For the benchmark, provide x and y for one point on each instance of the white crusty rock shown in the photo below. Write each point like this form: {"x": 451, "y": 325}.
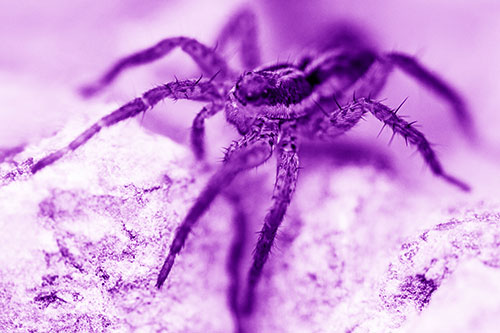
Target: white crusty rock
{"x": 83, "y": 240}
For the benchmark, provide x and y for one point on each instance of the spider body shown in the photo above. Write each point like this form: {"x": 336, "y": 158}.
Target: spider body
{"x": 295, "y": 90}
{"x": 273, "y": 107}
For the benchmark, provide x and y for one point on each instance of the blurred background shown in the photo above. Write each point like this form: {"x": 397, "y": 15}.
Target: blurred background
{"x": 51, "y": 48}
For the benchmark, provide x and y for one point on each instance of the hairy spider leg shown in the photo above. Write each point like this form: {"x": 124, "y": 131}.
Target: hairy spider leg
{"x": 329, "y": 126}
{"x": 286, "y": 178}
{"x": 411, "y": 135}
{"x": 210, "y": 62}
{"x": 243, "y": 28}
{"x": 440, "y": 87}
{"x": 327, "y": 119}
{"x": 198, "y": 128}
{"x": 250, "y": 151}
{"x": 188, "y": 89}
{"x": 371, "y": 83}
{"x": 333, "y": 89}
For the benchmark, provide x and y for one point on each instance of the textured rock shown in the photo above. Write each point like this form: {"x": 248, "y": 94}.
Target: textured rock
{"x": 83, "y": 240}
{"x": 366, "y": 266}
{"x": 358, "y": 252}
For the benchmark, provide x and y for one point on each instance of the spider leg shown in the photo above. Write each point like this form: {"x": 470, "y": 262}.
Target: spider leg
{"x": 372, "y": 82}
{"x": 286, "y": 178}
{"x": 411, "y": 135}
{"x": 252, "y": 150}
{"x": 433, "y": 82}
{"x": 188, "y": 89}
{"x": 198, "y": 129}
{"x": 243, "y": 27}
{"x": 210, "y": 62}
{"x": 329, "y": 120}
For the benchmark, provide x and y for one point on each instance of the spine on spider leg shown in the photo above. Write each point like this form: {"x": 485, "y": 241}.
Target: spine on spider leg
{"x": 128, "y": 110}
{"x": 196, "y": 90}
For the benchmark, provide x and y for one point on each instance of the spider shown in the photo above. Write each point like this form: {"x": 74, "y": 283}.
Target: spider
{"x": 273, "y": 108}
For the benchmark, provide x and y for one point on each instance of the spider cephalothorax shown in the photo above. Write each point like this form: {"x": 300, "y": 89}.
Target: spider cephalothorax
{"x": 269, "y": 92}
{"x": 273, "y": 107}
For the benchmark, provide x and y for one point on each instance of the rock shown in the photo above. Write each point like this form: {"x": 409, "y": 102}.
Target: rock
{"x": 84, "y": 238}
{"x": 83, "y": 241}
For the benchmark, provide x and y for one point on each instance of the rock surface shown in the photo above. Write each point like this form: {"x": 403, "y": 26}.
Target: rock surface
{"x": 358, "y": 252}
{"x": 84, "y": 238}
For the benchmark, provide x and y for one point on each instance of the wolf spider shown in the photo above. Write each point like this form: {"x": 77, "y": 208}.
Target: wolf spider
{"x": 273, "y": 107}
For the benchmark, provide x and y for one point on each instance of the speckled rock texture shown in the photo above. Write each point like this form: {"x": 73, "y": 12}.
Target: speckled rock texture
{"x": 361, "y": 249}
{"x": 82, "y": 240}
{"x": 366, "y": 258}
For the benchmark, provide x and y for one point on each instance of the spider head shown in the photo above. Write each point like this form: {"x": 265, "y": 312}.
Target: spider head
{"x": 248, "y": 98}
{"x": 254, "y": 88}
